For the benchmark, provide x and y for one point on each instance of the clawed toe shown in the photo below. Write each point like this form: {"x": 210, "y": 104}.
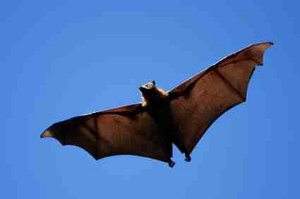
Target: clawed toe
{"x": 187, "y": 158}
{"x": 171, "y": 163}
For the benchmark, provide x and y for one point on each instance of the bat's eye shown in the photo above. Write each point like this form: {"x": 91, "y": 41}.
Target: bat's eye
{"x": 148, "y": 85}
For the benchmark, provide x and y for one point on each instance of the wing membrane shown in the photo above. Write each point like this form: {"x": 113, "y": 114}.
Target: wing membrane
{"x": 199, "y": 101}
{"x": 125, "y": 130}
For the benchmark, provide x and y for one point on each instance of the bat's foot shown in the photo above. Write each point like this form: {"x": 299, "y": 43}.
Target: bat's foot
{"x": 187, "y": 158}
{"x": 171, "y": 163}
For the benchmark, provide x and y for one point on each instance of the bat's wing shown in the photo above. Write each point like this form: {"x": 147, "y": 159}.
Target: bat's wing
{"x": 125, "y": 130}
{"x": 199, "y": 101}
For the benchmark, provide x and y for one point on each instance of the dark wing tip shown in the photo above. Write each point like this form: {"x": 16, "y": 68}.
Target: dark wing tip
{"x": 53, "y": 132}
{"x": 49, "y": 132}
{"x": 256, "y": 51}
{"x": 264, "y": 47}
{"x": 46, "y": 134}
{"x": 268, "y": 43}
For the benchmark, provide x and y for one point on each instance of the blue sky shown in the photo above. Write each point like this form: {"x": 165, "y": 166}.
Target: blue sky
{"x": 65, "y": 58}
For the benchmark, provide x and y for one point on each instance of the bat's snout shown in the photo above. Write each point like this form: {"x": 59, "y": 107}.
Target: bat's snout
{"x": 142, "y": 89}
{"x": 46, "y": 133}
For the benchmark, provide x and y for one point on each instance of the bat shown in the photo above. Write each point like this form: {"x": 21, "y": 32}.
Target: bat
{"x": 180, "y": 116}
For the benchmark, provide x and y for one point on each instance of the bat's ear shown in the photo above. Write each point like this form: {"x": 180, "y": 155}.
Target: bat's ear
{"x": 154, "y": 83}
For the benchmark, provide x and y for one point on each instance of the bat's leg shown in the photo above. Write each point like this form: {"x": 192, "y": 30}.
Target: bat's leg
{"x": 171, "y": 163}
{"x": 187, "y": 157}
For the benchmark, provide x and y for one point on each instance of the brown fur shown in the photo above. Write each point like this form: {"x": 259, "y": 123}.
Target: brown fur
{"x": 161, "y": 94}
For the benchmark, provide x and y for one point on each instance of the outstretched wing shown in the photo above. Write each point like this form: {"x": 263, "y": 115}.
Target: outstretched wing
{"x": 124, "y": 130}
{"x": 199, "y": 101}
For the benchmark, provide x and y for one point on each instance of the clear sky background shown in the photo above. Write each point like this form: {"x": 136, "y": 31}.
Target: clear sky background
{"x": 65, "y": 58}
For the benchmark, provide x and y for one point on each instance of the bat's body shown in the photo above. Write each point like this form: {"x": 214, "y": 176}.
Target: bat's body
{"x": 157, "y": 104}
{"x": 180, "y": 116}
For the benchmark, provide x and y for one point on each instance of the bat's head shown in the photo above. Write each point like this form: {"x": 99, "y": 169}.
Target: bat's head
{"x": 152, "y": 94}
{"x": 148, "y": 87}
{"x": 148, "y": 91}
